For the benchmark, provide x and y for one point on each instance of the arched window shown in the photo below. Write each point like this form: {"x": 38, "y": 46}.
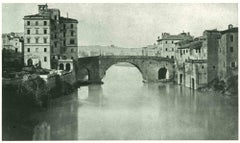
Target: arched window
{"x": 29, "y": 62}
{"x": 61, "y": 67}
{"x": 68, "y": 67}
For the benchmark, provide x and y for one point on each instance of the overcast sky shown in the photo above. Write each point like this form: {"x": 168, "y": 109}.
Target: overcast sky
{"x": 130, "y": 25}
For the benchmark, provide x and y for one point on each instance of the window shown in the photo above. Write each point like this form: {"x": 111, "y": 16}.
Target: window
{"x": 186, "y": 51}
{"x": 172, "y": 42}
{"x": 166, "y": 42}
{"x": 71, "y": 25}
{"x": 28, "y": 40}
{"x": 55, "y": 44}
{"x": 28, "y": 31}
{"x": 55, "y": 17}
{"x": 64, "y": 26}
{"x": 16, "y": 50}
{"x": 45, "y": 31}
{"x": 233, "y": 64}
{"x": 36, "y": 31}
{"x": 172, "y": 49}
{"x": 220, "y": 50}
{"x": 64, "y": 43}
{"x": 231, "y": 49}
{"x": 36, "y": 23}
{"x": 45, "y": 49}
{"x": 45, "y": 59}
{"x": 64, "y": 34}
{"x": 72, "y": 33}
{"x": 45, "y": 40}
{"x": 28, "y": 49}
{"x": 55, "y": 36}
{"x": 231, "y": 38}
{"x": 36, "y": 40}
{"x": 44, "y": 23}
{"x": 166, "y": 49}
{"x": 28, "y": 22}
{"x": 214, "y": 67}
{"x": 202, "y": 67}
{"x": 72, "y": 41}
{"x": 72, "y": 50}
{"x": 172, "y": 57}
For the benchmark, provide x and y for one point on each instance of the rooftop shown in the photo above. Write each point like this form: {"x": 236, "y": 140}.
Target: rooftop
{"x": 66, "y": 19}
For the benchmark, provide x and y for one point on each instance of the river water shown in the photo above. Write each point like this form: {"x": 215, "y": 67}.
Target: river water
{"x": 124, "y": 108}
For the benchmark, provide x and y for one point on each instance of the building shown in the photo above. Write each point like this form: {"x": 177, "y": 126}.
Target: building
{"x": 228, "y": 53}
{"x": 197, "y": 60}
{"x": 49, "y": 37}
{"x": 166, "y": 44}
{"x": 12, "y": 50}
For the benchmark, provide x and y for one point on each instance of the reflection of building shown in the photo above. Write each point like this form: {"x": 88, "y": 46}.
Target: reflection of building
{"x": 12, "y": 50}
{"x": 166, "y": 45}
{"x": 228, "y": 53}
{"x": 49, "y": 36}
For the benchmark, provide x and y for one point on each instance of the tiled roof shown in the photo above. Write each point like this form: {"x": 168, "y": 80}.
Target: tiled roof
{"x": 66, "y": 19}
{"x": 44, "y": 15}
{"x": 235, "y": 29}
{"x": 192, "y": 45}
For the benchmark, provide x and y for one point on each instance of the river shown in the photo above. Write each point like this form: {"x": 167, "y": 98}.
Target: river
{"x": 125, "y": 108}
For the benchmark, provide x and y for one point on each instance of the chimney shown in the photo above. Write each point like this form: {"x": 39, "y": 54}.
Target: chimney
{"x": 230, "y": 26}
{"x": 42, "y": 8}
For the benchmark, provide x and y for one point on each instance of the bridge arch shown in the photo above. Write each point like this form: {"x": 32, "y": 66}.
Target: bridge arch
{"x": 122, "y": 62}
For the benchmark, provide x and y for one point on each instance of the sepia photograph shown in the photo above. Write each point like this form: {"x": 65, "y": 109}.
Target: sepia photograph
{"x": 119, "y": 71}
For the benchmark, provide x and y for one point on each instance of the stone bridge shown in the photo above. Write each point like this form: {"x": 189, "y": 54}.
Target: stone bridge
{"x": 152, "y": 68}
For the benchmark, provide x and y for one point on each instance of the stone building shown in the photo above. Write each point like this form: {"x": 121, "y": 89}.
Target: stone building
{"x": 228, "y": 53}
{"x": 196, "y": 60}
{"x": 166, "y": 45}
{"x": 49, "y": 37}
{"x": 12, "y": 50}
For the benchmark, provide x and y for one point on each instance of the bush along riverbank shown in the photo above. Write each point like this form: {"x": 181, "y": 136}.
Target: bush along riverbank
{"x": 20, "y": 101}
{"x": 228, "y": 87}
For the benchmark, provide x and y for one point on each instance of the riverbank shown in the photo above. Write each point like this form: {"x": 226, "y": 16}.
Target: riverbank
{"x": 227, "y": 88}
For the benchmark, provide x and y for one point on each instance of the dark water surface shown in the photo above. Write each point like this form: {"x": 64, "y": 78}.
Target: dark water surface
{"x": 126, "y": 108}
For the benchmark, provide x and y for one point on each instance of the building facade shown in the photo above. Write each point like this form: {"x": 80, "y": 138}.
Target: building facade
{"x": 166, "y": 44}
{"x": 211, "y": 56}
{"x": 228, "y": 53}
{"x": 49, "y": 37}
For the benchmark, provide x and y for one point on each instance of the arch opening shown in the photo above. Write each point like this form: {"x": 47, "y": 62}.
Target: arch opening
{"x": 122, "y": 71}
{"x": 61, "y": 66}
{"x": 29, "y": 62}
{"x": 84, "y": 75}
{"x": 68, "y": 67}
{"x": 162, "y": 73}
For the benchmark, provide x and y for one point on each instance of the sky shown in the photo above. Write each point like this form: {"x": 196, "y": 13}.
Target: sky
{"x": 129, "y": 25}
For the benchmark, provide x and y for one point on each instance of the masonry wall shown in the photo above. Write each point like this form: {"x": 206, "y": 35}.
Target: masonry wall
{"x": 212, "y": 55}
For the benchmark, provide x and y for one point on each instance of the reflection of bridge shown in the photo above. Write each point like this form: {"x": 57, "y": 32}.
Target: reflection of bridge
{"x": 150, "y": 67}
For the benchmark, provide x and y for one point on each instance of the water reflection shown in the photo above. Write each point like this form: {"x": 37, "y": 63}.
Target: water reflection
{"x": 129, "y": 109}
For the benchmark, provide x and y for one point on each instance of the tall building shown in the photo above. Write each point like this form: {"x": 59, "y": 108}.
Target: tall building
{"x": 166, "y": 44}
{"x": 228, "y": 53}
{"x": 49, "y": 37}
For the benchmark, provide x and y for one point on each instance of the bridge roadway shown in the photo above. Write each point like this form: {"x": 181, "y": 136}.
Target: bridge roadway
{"x": 149, "y": 66}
